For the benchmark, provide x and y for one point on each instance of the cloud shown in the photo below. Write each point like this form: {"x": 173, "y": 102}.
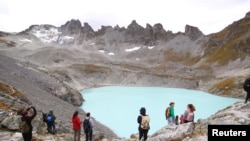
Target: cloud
{"x": 209, "y": 16}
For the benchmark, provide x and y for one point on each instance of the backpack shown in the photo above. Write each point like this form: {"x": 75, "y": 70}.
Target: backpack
{"x": 49, "y": 118}
{"x": 23, "y": 127}
{"x": 86, "y": 125}
{"x": 44, "y": 117}
{"x": 145, "y": 122}
{"x": 167, "y": 112}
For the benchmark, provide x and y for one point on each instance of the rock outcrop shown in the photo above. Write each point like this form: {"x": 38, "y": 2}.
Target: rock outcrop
{"x": 192, "y": 32}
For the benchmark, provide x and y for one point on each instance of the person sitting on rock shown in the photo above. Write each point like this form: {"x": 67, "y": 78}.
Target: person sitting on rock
{"x": 177, "y": 120}
{"x": 182, "y": 119}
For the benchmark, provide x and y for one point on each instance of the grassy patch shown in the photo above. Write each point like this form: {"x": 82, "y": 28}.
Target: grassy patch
{"x": 224, "y": 87}
{"x": 3, "y": 106}
{"x": 170, "y": 55}
{"x": 229, "y": 44}
{"x": 12, "y": 91}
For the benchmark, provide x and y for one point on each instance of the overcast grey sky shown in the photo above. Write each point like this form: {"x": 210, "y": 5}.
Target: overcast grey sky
{"x": 209, "y": 16}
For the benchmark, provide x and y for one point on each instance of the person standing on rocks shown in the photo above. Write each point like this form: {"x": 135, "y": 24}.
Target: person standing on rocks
{"x": 50, "y": 120}
{"x": 246, "y": 87}
{"x": 171, "y": 118}
{"x": 88, "y": 125}
{"x": 76, "y": 121}
{"x": 25, "y": 117}
{"x": 143, "y": 121}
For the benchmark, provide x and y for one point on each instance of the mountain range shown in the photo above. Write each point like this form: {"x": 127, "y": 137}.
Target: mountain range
{"x": 56, "y": 63}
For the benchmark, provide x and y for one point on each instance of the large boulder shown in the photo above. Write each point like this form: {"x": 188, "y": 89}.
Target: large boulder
{"x": 171, "y": 132}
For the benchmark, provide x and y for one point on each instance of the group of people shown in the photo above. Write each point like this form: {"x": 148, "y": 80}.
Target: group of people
{"x": 143, "y": 119}
{"x": 188, "y": 115}
{"x": 87, "y": 123}
{"x": 27, "y": 115}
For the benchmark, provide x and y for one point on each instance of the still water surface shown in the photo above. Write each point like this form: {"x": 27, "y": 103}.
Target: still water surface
{"x": 118, "y": 107}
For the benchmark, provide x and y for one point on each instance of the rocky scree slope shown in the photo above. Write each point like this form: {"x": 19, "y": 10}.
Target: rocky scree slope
{"x": 20, "y": 89}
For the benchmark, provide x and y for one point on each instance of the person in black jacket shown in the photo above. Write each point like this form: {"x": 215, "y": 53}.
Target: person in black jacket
{"x": 142, "y": 132}
{"x": 28, "y": 118}
{"x": 246, "y": 87}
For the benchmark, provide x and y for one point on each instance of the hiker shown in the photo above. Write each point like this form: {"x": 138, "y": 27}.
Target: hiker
{"x": 176, "y": 120}
{"x": 76, "y": 121}
{"x": 143, "y": 121}
{"x": 26, "y": 119}
{"x": 171, "y": 116}
{"x": 88, "y": 125}
{"x": 50, "y": 121}
{"x": 189, "y": 113}
{"x": 246, "y": 87}
{"x": 181, "y": 119}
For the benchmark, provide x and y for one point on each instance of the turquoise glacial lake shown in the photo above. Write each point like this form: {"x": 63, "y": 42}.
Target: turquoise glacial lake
{"x": 118, "y": 107}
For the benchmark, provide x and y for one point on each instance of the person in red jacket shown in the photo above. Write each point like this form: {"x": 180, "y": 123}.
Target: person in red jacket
{"x": 76, "y": 121}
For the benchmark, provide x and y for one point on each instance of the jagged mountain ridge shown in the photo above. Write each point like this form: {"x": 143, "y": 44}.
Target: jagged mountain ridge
{"x": 134, "y": 33}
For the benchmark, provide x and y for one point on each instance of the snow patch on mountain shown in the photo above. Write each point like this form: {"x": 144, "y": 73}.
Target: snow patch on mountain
{"x": 25, "y": 40}
{"x": 65, "y": 39}
{"x": 50, "y": 34}
{"x": 151, "y": 47}
{"x": 111, "y": 53}
{"x": 132, "y": 49}
{"x": 46, "y": 35}
{"x": 102, "y": 51}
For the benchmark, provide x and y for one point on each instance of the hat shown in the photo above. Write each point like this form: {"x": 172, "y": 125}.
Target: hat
{"x": 142, "y": 111}
{"x": 171, "y": 103}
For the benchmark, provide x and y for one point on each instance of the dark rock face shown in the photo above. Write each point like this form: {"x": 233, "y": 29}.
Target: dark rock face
{"x": 103, "y": 30}
{"x": 80, "y": 33}
{"x": 2, "y": 34}
{"x": 247, "y": 15}
{"x": 72, "y": 27}
{"x": 192, "y": 32}
{"x": 134, "y": 33}
{"x": 149, "y": 35}
{"x": 159, "y": 32}
{"x": 87, "y": 32}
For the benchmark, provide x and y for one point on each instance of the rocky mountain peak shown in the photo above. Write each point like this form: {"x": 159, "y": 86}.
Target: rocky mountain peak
{"x": 103, "y": 30}
{"x": 134, "y": 28}
{"x": 148, "y": 26}
{"x": 117, "y": 27}
{"x": 247, "y": 15}
{"x": 158, "y": 31}
{"x": 72, "y": 27}
{"x": 192, "y": 32}
{"x": 87, "y": 28}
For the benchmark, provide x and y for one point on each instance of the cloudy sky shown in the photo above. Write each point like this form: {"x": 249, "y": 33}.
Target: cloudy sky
{"x": 209, "y": 16}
